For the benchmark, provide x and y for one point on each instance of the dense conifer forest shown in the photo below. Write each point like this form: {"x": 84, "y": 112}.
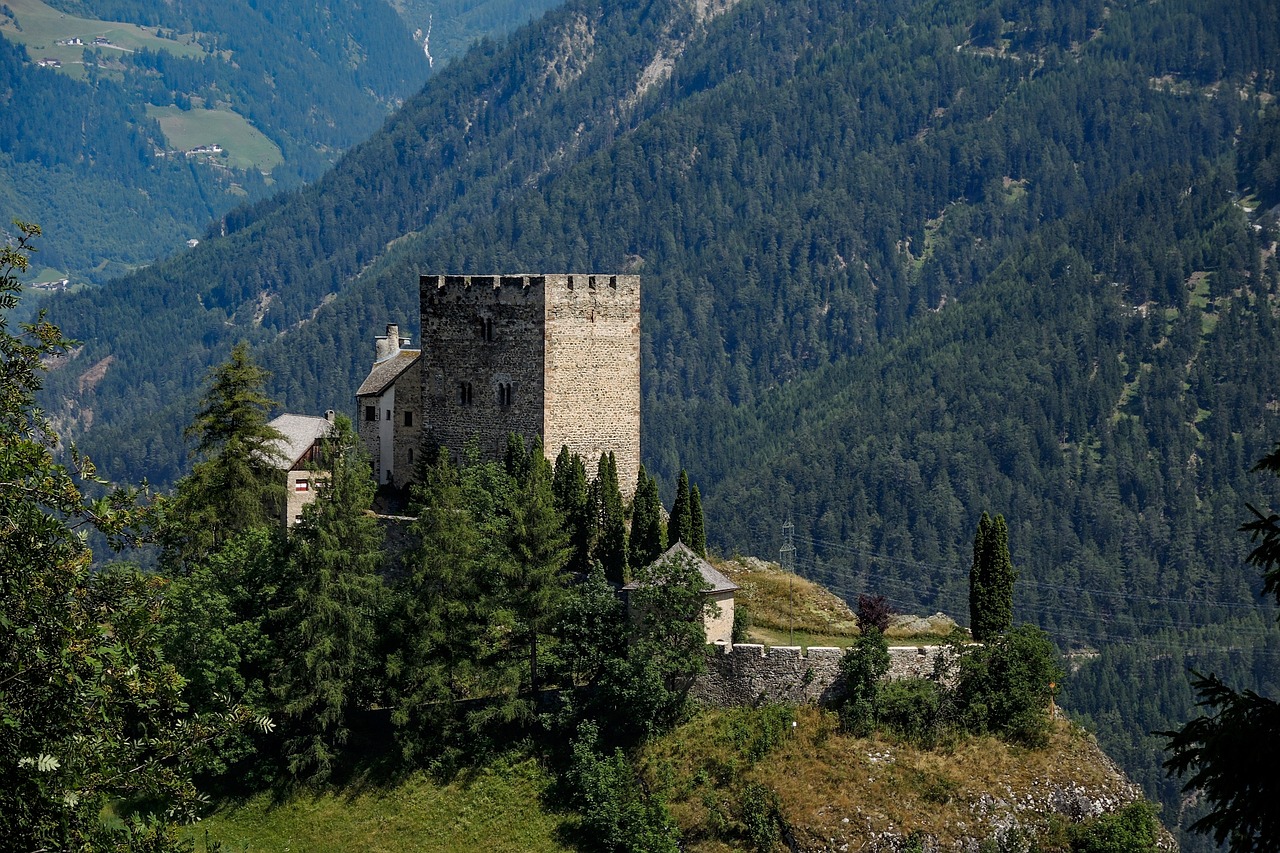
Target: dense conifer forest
{"x": 903, "y": 263}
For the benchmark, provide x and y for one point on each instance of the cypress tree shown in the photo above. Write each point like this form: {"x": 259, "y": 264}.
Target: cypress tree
{"x": 611, "y": 543}
{"x": 991, "y": 580}
{"x": 573, "y": 500}
{"x": 697, "y": 530}
{"x": 646, "y": 523}
{"x": 444, "y": 617}
{"x": 978, "y": 616}
{"x": 680, "y": 528}
{"x": 1001, "y": 578}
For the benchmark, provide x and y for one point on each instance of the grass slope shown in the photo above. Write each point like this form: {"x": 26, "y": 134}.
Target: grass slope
{"x": 495, "y": 808}
{"x": 40, "y": 26}
{"x": 832, "y": 790}
{"x": 245, "y": 145}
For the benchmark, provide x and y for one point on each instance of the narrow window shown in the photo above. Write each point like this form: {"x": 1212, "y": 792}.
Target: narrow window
{"x": 388, "y": 414}
{"x": 464, "y": 393}
{"x": 488, "y": 328}
{"x": 408, "y": 419}
{"x": 370, "y": 413}
{"x": 468, "y": 393}
{"x": 410, "y": 455}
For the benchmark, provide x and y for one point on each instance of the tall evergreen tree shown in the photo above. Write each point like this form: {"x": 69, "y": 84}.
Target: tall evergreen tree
{"x": 697, "y": 529}
{"x": 680, "y": 527}
{"x": 991, "y": 580}
{"x": 443, "y": 615}
{"x": 647, "y": 541}
{"x": 533, "y": 583}
{"x": 236, "y": 486}
{"x": 573, "y": 500}
{"x": 611, "y": 542}
{"x": 978, "y": 595}
{"x": 332, "y": 594}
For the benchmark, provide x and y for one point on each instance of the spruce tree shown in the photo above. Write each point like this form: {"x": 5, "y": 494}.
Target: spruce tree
{"x": 533, "y": 582}
{"x": 697, "y": 530}
{"x": 444, "y": 615}
{"x": 680, "y": 528}
{"x": 646, "y": 523}
{"x": 332, "y": 592}
{"x": 611, "y": 542}
{"x": 237, "y": 485}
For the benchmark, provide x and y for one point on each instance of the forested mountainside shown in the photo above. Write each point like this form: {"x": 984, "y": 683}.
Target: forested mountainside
{"x": 903, "y": 263}
{"x": 446, "y": 28}
{"x": 114, "y": 94}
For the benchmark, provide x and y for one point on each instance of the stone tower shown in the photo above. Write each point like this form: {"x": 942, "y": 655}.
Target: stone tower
{"x": 550, "y": 355}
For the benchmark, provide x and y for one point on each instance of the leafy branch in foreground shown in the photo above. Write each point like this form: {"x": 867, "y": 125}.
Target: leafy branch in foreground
{"x": 96, "y": 746}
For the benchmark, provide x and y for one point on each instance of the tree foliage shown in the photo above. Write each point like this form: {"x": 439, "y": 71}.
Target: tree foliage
{"x": 1228, "y": 753}
{"x": 331, "y": 600}
{"x": 91, "y": 712}
{"x": 991, "y": 580}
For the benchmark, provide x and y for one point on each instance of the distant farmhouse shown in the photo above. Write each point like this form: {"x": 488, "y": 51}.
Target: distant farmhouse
{"x": 550, "y": 355}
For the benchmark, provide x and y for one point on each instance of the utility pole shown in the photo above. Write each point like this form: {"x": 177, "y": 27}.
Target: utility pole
{"x": 787, "y": 559}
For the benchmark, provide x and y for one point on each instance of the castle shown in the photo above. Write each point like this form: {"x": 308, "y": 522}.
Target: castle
{"x": 550, "y": 355}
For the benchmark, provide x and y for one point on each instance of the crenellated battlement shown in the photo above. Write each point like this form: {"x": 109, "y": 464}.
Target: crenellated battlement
{"x": 551, "y": 355}
{"x": 752, "y": 674}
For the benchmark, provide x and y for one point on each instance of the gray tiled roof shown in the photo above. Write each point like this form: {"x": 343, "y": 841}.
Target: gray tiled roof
{"x": 717, "y": 581}
{"x": 300, "y": 432}
{"x": 386, "y": 372}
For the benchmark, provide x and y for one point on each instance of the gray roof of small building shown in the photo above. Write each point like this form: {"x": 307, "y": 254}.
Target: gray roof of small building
{"x": 383, "y": 373}
{"x": 717, "y": 581}
{"x": 300, "y": 432}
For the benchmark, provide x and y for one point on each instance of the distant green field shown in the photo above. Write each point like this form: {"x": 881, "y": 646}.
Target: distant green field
{"x": 244, "y": 144}
{"x": 43, "y": 27}
{"x": 495, "y": 809}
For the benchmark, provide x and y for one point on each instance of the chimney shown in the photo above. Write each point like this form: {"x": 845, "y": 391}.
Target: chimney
{"x": 329, "y": 415}
{"x": 389, "y": 346}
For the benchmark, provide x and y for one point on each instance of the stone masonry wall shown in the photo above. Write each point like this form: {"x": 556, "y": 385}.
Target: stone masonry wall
{"x": 592, "y": 401}
{"x": 550, "y": 355}
{"x": 751, "y": 674}
{"x": 408, "y": 438}
{"x": 485, "y": 333}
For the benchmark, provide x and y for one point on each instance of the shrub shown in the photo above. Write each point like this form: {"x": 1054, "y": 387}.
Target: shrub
{"x": 1004, "y": 687}
{"x": 862, "y": 667}
{"x": 1133, "y": 829}
{"x": 618, "y": 816}
{"x": 873, "y": 612}
{"x": 914, "y": 709}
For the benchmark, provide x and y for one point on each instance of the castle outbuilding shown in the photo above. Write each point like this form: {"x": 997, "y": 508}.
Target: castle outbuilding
{"x": 550, "y": 355}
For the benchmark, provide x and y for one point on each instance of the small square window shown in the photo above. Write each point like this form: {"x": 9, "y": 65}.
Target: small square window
{"x": 408, "y": 419}
{"x": 370, "y": 413}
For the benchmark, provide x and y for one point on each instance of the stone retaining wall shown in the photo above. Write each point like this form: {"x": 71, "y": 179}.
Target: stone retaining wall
{"x": 751, "y": 674}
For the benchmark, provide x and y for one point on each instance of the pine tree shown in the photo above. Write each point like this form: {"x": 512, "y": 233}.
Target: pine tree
{"x": 647, "y": 541}
{"x": 611, "y": 541}
{"x": 697, "y": 530}
{"x": 680, "y": 527}
{"x": 331, "y": 596}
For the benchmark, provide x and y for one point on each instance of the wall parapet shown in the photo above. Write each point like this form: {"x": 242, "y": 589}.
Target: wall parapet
{"x": 752, "y": 674}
